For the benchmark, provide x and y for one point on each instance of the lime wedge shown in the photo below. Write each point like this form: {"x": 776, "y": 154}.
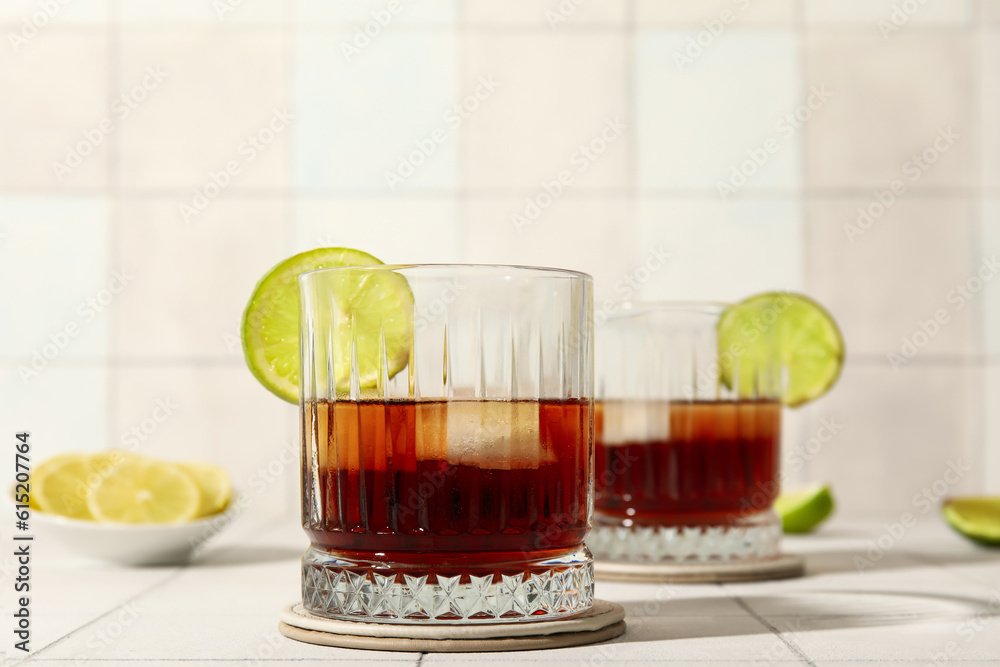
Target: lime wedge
{"x": 375, "y": 303}
{"x": 976, "y": 518}
{"x": 804, "y": 334}
{"x": 143, "y": 490}
{"x": 803, "y": 509}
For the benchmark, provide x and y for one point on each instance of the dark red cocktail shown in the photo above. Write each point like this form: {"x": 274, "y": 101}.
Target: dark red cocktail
{"x": 390, "y": 484}
{"x": 682, "y": 463}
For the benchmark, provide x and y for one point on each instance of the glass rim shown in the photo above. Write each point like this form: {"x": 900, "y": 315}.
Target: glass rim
{"x": 552, "y": 272}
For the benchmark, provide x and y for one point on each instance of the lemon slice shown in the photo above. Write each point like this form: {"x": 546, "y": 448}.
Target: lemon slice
{"x": 213, "y": 484}
{"x": 804, "y": 509}
{"x": 371, "y": 304}
{"x": 145, "y": 491}
{"x": 976, "y": 518}
{"x": 58, "y": 486}
{"x": 802, "y": 334}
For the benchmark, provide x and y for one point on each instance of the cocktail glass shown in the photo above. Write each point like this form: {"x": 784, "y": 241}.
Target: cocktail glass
{"x": 688, "y": 439}
{"x": 448, "y": 450}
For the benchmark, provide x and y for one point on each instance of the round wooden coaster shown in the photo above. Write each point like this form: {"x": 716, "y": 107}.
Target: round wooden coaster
{"x": 784, "y": 566}
{"x": 605, "y": 620}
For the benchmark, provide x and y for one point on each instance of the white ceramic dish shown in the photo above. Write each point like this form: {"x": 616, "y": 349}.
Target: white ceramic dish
{"x": 149, "y": 544}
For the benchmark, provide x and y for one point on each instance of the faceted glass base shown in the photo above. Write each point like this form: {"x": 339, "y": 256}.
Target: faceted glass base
{"x": 747, "y": 539}
{"x": 354, "y": 590}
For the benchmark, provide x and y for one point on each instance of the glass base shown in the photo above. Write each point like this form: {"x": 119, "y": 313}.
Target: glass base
{"x": 747, "y": 539}
{"x": 355, "y": 590}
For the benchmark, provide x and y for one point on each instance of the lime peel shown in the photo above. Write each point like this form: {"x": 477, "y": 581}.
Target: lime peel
{"x": 976, "y": 517}
{"x": 802, "y": 510}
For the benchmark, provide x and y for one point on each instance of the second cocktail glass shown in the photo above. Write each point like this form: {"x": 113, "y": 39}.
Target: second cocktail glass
{"x": 447, "y": 443}
{"x": 688, "y": 439}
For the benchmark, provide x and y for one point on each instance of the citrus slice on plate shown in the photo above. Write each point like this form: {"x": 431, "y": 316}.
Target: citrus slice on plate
{"x": 213, "y": 484}
{"x": 798, "y": 331}
{"x": 977, "y": 518}
{"x": 803, "y": 509}
{"x": 145, "y": 491}
{"x": 374, "y": 315}
{"x": 58, "y": 486}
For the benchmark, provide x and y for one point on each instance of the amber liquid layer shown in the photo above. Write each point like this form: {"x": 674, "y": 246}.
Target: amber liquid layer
{"x": 459, "y": 481}
{"x": 675, "y": 463}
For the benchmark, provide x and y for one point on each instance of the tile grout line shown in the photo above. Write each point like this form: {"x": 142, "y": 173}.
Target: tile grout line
{"x": 176, "y": 573}
{"x": 337, "y": 27}
{"x": 112, "y": 390}
{"x": 685, "y": 193}
{"x": 792, "y": 646}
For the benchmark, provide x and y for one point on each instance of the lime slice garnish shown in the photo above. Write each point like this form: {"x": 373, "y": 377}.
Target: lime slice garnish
{"x": 800, "y": 331}
{"x": 976, "y": 518}
{"x": 143, "y": 490}
{"x": 802, "y": 510}
{"x": 213, "y": 483}
{"x": 374, "y": 303}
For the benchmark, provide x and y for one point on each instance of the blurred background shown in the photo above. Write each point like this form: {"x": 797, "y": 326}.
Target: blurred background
{"x": 159, "y": 157}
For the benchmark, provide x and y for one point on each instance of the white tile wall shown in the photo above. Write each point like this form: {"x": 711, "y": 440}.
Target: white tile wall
{"x": 192, "y": 279}
{"x": 358, "y": 102}
{"x": 697, "y": 12}
{"x": 45, "y": 241}
{"x": 991, "y": 458}
{"x": 702, "y": 114}
{"x": 422, "y": 13}
{"x": 192, "y": 123}
{"x": 397, "y": 231}
{"x": 990, "y": 247}
{"x": 32, "y": 11}
{"x": 989, "y": 64}
{"x": 589, "y": 234}
{"x": 990, "y": 239}
{"x": 989, "y": 11}
{"x": 553, "y": 15}
{"x": 359, "y": 116}
{"x": 194, "y": 11}
{"x": 560, "y": 107}
{"x": 64, "y": 408}
{"x": 57, "y": 111}
{"x": 851, "y": 142}
{"x": 934, "y": 12}
{"x": 882, "y": 281}
{"x": 723, "y": 250}
{"x": 922, "y": 419}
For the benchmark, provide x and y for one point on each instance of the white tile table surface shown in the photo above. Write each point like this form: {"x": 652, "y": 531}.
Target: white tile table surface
{"x": 870, "y": 597}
